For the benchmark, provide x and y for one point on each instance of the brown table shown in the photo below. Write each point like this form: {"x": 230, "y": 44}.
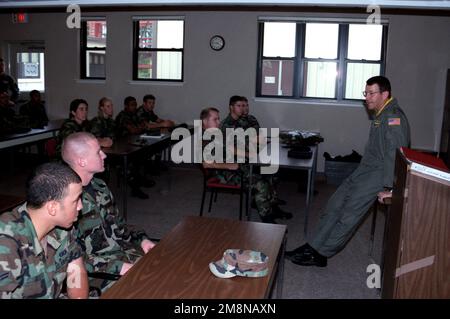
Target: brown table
{"x": 178, "y": 266}
{"x": 8, "y": 202}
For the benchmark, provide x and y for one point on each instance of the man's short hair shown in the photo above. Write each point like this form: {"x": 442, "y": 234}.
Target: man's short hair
{"x": 128, "y": 100}
{"x": 49, "y": 182}
{"x": 33, "y": 92}
{"x": 383, "y": 83}
{"x": 148, "y": 97}
{"x": 75, "y": 142}
{"x": 234, "y": 99}
{"x": 244, "y": 99}
{"x": 204, "y": 114}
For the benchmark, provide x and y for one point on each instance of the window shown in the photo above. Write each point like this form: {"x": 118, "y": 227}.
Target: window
{"x": 30, "y": 71}
{"x": 158, "y": 49}
{"x": 322, "y": 60}
{"x": 93, "y": 49}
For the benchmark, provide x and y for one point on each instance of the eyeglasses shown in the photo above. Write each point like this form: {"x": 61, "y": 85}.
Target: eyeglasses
{"x": 364, "y": 93}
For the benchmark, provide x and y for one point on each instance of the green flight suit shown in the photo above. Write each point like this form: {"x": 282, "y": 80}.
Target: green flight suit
{"x": 25, "y": 270}
{"x": 350, "y": 203}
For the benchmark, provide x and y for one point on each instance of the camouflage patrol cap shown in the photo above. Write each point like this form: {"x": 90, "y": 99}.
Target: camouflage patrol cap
{"x": 239, "y": 262}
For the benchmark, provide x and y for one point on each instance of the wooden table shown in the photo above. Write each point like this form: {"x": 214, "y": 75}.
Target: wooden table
{"x": 178, "y": 266}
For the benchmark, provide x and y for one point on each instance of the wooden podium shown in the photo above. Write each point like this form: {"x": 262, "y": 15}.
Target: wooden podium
{"x": 417, "y": 245}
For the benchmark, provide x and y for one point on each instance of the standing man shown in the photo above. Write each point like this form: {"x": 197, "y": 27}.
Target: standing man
{"x": 7, "y": 83}
{"x": 38, "y": 247}
{"x": 111, "y": 246}
{"x": 350, "y": 203}
{"x": 147, "y": 115}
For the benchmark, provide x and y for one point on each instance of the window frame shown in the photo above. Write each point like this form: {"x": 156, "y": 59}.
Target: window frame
{"x": 84, "y": 48}
{"x": 137, "y": 49}
{"x": 299, "y": 83}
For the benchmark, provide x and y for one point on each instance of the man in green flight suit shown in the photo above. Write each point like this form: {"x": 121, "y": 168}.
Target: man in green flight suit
{"x": 111, "y": 246}
{"x": 38, "y": 246}
{"x": 350, "y": 203}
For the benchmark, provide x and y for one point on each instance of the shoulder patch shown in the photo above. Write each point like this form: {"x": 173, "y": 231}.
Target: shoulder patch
{"x": 394, "y": 121}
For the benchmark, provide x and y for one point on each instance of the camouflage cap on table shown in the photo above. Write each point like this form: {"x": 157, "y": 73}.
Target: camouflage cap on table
{"x": 239, "y": 262}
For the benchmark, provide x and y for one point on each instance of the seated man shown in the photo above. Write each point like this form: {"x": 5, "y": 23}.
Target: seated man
{"x": 265, "y": 196}
{"x": 349, "y": 205}
{"x": 34, "y": 110}
{"x": 38, "y": 246}
{"x": 147, "y": 115}
{"x": 103, "y": 126}
{"x": 128, "y": 123}
{"x": 247, "y": 120}
{"x": 111, "y": 246}
{"x": 7, "y": 114}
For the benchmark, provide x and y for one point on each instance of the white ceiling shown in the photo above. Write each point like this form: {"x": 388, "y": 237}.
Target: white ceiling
{"x": 411, "y": 4}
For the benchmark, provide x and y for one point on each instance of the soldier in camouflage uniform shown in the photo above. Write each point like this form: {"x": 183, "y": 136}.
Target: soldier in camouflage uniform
{"x": 247, "y": 120}
{"x": 103, "y": 126}
{"x": 6, "y": 114}
{"x": 350, "y": 204}
{"x": 38, "y": 246}
{"x": 77, "y": 122}
{"x": 34, "y": 110}
{"x": 147, "y": 115}
{"x": 127, "y": 121}
{"x": 110, "y": 245}
{"x": 7, "y": 83}
{"x": 231, "y": 173}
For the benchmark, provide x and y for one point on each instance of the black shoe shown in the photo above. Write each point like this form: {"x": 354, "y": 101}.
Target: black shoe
{"x": 136, "y": 192}
{"x": 268, "y": 219}
{"x": 310, "y": 259}
{"x": 277, "y": 212}
{"x": 304, "y": 249}
{"x": 280, "y": 202}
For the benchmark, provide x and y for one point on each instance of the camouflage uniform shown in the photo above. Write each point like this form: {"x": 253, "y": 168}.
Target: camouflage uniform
{"x": 107, "y": 241}
{"x": 36, "y": 114}
{"x": 262, "y": 187}
{"x": 103, "y": 127}
{"x": 125, "y": 119}
{"x": 350, "y": 203}
{"x": 7, "y": 116}
{"x": 68, "y": 127}
{"x": 25, "y": 270}
{"x": 8, "y": 84}
{"x": 146, "y": 116}
{"x": 248, "y": 121}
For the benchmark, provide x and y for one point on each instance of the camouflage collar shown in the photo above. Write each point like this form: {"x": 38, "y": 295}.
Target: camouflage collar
{"x": 52, "y": 236}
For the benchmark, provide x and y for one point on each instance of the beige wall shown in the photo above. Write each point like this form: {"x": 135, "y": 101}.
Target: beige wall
{"x": 417, "y": 61}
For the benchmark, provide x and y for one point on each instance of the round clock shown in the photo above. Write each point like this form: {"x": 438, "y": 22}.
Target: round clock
{"x": 217, "y": 42}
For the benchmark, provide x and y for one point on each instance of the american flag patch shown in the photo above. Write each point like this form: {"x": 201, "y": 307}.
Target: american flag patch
{"x": 394, "y": 121}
